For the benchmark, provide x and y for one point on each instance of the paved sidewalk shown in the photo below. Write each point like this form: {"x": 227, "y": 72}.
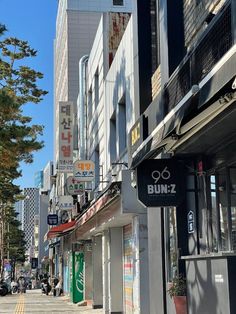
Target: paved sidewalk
{"x": 33, "y": 302}
{"x": 82, "y": 308}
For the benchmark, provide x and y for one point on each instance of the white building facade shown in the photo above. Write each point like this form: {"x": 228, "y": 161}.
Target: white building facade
{"x": 119, "y": 228}
{"x": 116, "y": 265}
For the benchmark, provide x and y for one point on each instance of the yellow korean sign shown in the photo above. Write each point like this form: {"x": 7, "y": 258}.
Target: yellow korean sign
{"x": 84, "y": 170}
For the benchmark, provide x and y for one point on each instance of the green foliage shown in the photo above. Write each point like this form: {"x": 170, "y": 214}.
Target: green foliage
{"x": 14, "y": 237}
{"x": 178, "y": 286}
{"x": 18, "y": 136}
{"x": 18, "y": 86}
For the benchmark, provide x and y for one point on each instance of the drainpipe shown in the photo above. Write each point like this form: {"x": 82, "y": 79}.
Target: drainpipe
{"x": 81, "y": 106}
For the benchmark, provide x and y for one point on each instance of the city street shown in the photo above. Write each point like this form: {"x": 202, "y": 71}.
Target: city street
{"x": 33, "y": 302}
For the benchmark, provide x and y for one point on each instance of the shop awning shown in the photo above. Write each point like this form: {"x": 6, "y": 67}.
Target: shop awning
{"x": 61, "y": 230}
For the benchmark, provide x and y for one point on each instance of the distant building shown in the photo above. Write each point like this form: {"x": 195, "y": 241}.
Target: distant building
{"x": 40, "y": 226}
{"x": 47, "y": 174}
{"x": 36, "y": 236}
{"x": 38, "y": 179}
{"x": 30, "y": 209}
{"x": 19, "y": 211}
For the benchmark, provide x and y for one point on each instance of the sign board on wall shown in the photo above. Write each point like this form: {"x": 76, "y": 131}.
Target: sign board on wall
{"x": 138, "y": 133}
{"x": 190, "y": 222}
{"x": 74, "y": 186}
{"x": 160, "y": 182}
{"x": 52, "y": 219}
{"x": 84, "y": 170}
{"x": 65, "y": 161}
{"x": 65, "y": 202}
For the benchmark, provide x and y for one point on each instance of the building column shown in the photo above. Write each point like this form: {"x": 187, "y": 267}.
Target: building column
{"x": 115, "y": 270}
{"x": 88, "y": 278}
{"x": 97, "y": 272}
{"x": 105, "y": 263}
{"x": 156, "y": 261}
{"x": 141, "y": 267}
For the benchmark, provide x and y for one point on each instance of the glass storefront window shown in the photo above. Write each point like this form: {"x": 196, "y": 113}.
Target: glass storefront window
{"x": 232, "y": 174}
{"x": 172, "y": 250}
{"x": 213, "y": 214}
{"x": 223, "y": 210}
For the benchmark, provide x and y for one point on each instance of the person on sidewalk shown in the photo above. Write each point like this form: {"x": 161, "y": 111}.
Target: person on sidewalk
{"x": 54, "y": 284}
{"x": 58, "y": 288}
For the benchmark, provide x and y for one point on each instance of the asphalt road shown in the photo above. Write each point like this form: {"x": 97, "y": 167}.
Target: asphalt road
{"x": 33, "y": 302}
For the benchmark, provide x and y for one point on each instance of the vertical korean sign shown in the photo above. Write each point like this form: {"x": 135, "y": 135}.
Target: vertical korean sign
{"x": 65, "y": 157}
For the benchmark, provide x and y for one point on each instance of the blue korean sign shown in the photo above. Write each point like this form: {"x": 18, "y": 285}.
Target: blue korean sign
{"x": 52, "y": 219}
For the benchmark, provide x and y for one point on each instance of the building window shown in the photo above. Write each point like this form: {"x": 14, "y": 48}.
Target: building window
{"x": 213, "y": 213}
{"x": 96, "y": 89}
{"x": 90, "y": 104}
{"x": 220, "y": 218}
{"x": 232, "y": 172}
{"x": 97, "y": 167}
{"x": 172, "y": 245}
{"x": 223, "y": 210}
{"x": 155, "y": 35}
{"x": 112, "y": 140}
{"x": 118, "y": 2}
{"x": 122, "y": 127}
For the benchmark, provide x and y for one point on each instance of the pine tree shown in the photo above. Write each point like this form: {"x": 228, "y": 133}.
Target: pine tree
{"x": 18, "y": 136}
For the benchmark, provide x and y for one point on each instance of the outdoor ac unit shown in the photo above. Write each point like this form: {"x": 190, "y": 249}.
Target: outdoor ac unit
{"x": 76, "y": 247}
{"x": 90, "y": 195}
{"x": 64, "y": 216}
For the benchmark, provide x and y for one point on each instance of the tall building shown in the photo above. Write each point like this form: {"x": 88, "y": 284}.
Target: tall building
{"x": 75, "y": 30}
{"x": 30, "y": 209}
{"x": 76, "y": 26}
{"x": 47, "y": 176}
{"x": 41, "y": 227}
{"x": 19, "y": 211}
{"x": 38, "y": 179}
{"x": 104, "y": 276}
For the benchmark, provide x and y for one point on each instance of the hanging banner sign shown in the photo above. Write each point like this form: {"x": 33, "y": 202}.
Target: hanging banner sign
{"x": 160, "y": 182}
{"x": 74, "y": 186}
{"x": 65, "y": 160}
{"x": 84, "y": 170}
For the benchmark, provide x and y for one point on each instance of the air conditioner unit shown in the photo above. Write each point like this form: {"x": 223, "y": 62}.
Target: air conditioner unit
{"x": 90, "y": 195}
{"x": 64, "y": 216}
{"x": 76, "y": 247}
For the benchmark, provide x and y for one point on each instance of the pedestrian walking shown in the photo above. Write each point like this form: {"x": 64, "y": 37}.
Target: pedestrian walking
{"x": 58, "y": 288}
{"x": 54, "y": 284}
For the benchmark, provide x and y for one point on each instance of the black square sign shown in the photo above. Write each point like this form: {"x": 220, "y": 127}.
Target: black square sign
{"x": 160, "y": 182}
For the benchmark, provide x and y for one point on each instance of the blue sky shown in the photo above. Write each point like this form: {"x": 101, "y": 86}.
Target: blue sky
{"x": 35, "y": 21}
